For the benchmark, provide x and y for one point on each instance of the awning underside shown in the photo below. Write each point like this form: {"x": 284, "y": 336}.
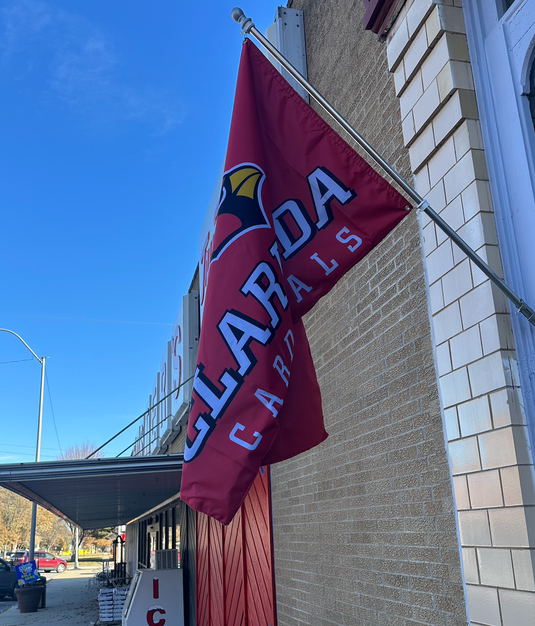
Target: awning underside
{"x": 97, "y": 493}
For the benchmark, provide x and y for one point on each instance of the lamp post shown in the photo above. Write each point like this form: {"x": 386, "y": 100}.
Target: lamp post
{"x": 38, "y": 445}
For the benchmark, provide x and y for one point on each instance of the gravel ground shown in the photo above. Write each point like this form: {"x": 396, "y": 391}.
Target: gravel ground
{"x": 71, "y": 598}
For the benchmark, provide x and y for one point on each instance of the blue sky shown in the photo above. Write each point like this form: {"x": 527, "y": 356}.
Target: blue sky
{"x": 113, "y": 123}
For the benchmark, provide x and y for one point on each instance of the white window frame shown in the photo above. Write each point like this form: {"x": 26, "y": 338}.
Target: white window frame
{"x": 501, "y": 53}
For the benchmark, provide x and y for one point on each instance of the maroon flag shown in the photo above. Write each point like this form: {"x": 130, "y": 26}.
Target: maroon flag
{"x": 298, "y": 208}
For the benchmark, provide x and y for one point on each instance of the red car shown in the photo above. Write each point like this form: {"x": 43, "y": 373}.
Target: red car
{"x": 43, "y": 561}
{"x": 49, "y": 562}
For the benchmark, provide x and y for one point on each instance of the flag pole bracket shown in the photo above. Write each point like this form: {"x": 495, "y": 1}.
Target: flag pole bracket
{"x": 526, "y": 311}
{"x": 422, "y": 206}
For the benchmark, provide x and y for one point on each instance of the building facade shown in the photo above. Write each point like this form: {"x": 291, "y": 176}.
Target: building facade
{"x": 420, "y": 506}
{"x": 429, "y": 374}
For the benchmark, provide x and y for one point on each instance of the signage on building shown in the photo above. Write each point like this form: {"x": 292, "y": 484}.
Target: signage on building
{"x": 155, "y": 414}
{"x": 171, "y": 391}
{"x": 165, "y": 388}
{"x": 146, "y": 429}
{"x": 184, "y": 339}
{"x": 177, "y": 359}
{"x": 205, "y": 239}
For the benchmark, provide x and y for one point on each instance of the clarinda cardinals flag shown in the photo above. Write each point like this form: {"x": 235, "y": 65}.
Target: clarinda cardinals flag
{"x": 298, "y": 208}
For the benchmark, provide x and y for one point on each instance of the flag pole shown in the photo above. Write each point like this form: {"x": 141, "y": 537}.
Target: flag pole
{"x": 248, "y": 28}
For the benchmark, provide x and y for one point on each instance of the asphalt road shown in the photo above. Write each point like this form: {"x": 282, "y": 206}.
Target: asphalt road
{"x": 71, "y": 598}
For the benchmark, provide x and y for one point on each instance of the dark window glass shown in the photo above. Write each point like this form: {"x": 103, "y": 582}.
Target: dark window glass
{"x": 531, "y": 95}
{"x": 507, "y": 4}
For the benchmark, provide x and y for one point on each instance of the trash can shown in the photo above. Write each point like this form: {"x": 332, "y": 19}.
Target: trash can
{"x": 28, "y": 597}
{"x": 42, "y": 581}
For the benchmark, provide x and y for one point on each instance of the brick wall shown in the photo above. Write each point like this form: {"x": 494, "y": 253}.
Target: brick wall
{"x": 349, "y": 67}
{"x": 364, "y": 525}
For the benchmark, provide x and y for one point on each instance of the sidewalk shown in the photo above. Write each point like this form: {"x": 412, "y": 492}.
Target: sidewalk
{"x": 69, "y": 600}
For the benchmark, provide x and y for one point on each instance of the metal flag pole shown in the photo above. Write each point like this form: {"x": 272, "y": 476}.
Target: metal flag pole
{"x": 248, "y": 28}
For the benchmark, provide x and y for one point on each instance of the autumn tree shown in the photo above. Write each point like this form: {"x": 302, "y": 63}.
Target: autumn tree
{"x": 100, "y": 539}
{"x": 51, "y": 531}
{"x": 15, "y": 516}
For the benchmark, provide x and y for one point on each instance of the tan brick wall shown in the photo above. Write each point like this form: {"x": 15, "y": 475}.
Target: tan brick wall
{"x": 364, "y": 525}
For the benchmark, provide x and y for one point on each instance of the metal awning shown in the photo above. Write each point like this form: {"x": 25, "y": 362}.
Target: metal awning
{"x": 96, "y": 493}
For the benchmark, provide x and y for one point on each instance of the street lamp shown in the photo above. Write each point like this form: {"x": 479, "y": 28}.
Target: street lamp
{"x": 38, "y": 445}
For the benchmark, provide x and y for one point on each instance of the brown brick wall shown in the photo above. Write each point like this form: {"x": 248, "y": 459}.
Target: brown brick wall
{"x": 364, "y": 525}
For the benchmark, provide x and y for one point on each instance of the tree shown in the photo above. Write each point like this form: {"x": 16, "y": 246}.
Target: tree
{"x": 15, "y": 515}
{"x": 51, "y": 531}
{"x": 81, "y": 451}
{"x": 102, "y": 544}
{"x": 100, "y": 538}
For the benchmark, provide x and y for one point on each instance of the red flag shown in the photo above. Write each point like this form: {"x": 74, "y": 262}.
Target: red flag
{"x": 298, "y": 208}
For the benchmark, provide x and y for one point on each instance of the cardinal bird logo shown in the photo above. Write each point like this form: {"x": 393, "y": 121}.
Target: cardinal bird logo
{"x": 240, "y": 207}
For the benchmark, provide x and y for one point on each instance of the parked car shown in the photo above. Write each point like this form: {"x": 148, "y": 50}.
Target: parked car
{"x": 8, "y": 579}
{"x": 21, "y": 556}
{"x": 48, "y": 562}
{"x": 43, "y": 560}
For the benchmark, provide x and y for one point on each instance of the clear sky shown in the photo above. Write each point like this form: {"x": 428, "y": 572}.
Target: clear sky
{"x": 114, "y": 116}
